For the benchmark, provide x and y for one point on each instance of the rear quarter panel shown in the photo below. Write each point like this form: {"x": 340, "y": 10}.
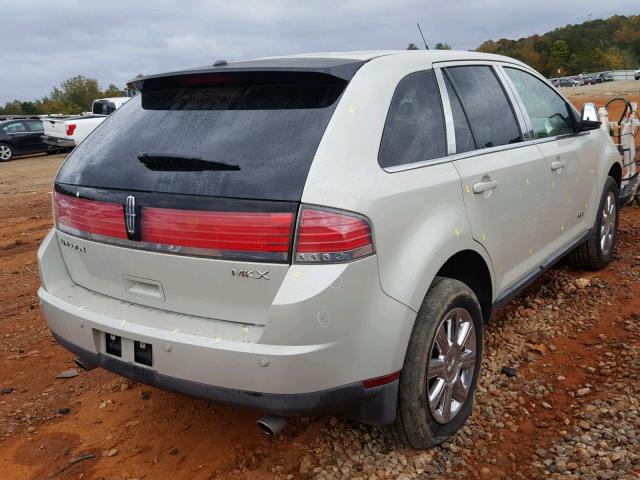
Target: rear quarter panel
{"x": 418, "y": 216}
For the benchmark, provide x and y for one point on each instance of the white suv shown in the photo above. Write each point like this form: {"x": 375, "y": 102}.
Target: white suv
{"x": 323, "y": 233}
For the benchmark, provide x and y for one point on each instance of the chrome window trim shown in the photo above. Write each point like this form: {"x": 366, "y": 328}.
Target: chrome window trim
{"x": 448, "y": 112}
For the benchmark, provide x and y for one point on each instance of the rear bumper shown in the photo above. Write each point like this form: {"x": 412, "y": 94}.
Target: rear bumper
{"x": 293, "y": 365}
{"x": 58, "y": 142}
{"x": 375, "y": 406}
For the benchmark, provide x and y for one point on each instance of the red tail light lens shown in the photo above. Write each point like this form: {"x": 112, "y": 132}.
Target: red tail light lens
{"x": 79, "y": 216}
{"x": 327, "y": 236}
{"x": 71, "y": 127}
{"x": 261, "y": 234}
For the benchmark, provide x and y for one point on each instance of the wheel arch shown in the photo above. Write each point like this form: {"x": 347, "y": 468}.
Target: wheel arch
{"x": 616, "y": 173}
{"x": 470, "y": 268}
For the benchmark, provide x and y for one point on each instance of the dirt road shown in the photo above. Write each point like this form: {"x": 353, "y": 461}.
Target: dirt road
{"x": 572, "y": 410}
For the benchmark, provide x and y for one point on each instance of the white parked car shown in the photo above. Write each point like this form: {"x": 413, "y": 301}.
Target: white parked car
{"x": 67, "y": 132}
{"x": 636, "y": 75}
{"x": 323, "y": 233}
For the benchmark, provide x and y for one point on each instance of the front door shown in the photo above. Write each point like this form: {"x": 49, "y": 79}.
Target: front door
{"x": 569, "y": 166}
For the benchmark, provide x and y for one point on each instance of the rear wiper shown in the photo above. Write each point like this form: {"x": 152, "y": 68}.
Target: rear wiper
{"x": 165, "y": 162}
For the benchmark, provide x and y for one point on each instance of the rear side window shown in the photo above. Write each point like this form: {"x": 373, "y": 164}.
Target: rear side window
{"x": 414, "y": 130}
{"x": 243, "y": 135}
{"x": 103, "y": 107}
{"x": 35, "y": 126}
{"x": 486, "y": 105}
{"x": 549, "y": 113}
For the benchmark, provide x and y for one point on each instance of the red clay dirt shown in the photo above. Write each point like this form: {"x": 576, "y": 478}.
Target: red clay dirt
{"x": 128, "y": 430}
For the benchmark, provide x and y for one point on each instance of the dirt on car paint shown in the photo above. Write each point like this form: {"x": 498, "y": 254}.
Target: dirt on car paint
{"x": 98, "y": 425}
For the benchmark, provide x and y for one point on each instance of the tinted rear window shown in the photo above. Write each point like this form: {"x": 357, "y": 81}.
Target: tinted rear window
{"x": 268, "y": 124}
{"x": 414, "y": 129}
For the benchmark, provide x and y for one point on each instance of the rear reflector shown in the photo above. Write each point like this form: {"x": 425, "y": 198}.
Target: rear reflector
{"x": 327, "y": 236}
{"x": 77, "y": 215}
{"x": 260, "y": 233}
{"x": 71, "y": 127}
{"x": 376, "y": 382}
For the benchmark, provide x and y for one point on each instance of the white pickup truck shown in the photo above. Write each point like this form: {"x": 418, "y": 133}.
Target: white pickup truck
{"x": 69, "y": 131}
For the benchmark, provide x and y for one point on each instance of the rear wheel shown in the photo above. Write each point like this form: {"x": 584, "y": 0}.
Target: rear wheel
{"x": 597, "y": 251}
{"x": 6, "y": 152}
{"x": 441, "y": 367}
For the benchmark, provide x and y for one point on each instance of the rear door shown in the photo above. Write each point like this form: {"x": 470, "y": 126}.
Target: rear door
{"x": 502, "y": 172}
{"x": 18, "y": 135}
{"x": 570, "y": 167}
{"x": 185, "y": 198}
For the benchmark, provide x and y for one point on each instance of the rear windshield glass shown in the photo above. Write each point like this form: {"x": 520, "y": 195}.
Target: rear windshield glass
{"x": 244, "y": 135}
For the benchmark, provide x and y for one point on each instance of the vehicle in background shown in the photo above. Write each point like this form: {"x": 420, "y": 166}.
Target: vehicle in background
{"x": 565, "y": 82}
{"x": 21, "y": 136}
{"x": 604, "y": 77}
{"x": 67, "y": 132}
{"x": 554, "y": 81}
{"x": 588, "y": 80}
{"x": 636, "y": 75}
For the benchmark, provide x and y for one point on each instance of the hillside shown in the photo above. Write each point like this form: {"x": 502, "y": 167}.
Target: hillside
{"x": 591, "y": 46}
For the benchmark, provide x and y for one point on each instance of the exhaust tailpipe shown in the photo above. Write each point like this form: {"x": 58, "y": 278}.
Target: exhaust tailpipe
{"x": 84, "y": 365}
{"x": 272, "y": 425}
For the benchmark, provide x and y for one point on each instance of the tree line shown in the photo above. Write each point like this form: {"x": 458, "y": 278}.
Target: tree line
{"x": 73, "y": 96}
{"x": 592, "y": 46}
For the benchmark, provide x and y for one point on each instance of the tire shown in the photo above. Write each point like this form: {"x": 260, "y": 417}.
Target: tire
{"x": 419, "y": 422}
{"x": 6, "y": 152}
{"x": 596, "y": 253}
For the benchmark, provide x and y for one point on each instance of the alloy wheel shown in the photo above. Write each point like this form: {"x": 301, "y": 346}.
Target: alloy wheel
{"x": 5, "y": 153}
{"x": 608, "y": 223}
{"x": 452, "y": 363}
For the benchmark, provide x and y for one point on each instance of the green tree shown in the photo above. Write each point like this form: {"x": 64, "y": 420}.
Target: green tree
{"x": 77, "y": 93}
{"x": 412, "y": 46}
{"x": 559, "y": 55}
{"x": 443, "y": 46}
{"x": 114, "y": 91}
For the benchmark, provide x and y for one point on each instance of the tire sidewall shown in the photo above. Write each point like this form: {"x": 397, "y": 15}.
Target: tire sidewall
{"x": 413, "y": 379}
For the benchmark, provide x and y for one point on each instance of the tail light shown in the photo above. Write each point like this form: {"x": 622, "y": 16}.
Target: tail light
{"x": 323, "y": 235}
{"x": 256, "y": 235}
{"x": 88, "y": 217}
{"x": 328, "y": 236}
{"x": 71, "y": 127}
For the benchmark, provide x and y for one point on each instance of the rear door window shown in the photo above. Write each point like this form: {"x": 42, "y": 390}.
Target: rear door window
{"x": 549, "y": 113}
{"x": 239, "y": 135}
{"x": 35, "y": 126}
{"x": 414, "y": 130}
{"x": 487, "y": 108}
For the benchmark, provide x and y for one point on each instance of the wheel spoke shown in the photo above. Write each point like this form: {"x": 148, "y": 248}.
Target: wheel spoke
{"x": 442, "y": 340}
{"x": 463, "y": 334}
{"x": 435, "y": 395}
{"x": 468, "y": 360}
{"x": 459, "y": 391}
{"x": 436, "y": 368}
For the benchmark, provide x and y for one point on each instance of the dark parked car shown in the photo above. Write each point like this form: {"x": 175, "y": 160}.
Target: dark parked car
{"x": 21, "y": 136}
{"x": 604, "y": 77}
{"x": 588, "y": 80}
{"x": 565, "y": 82}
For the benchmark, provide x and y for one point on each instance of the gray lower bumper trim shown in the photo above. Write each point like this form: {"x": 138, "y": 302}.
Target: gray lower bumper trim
{"x": 374, "y": 406}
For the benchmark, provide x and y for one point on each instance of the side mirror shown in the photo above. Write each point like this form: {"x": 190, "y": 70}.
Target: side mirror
{"x": 589, "y": 117}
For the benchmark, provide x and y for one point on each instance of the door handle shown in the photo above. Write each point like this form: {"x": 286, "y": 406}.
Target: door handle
{"x": 482, "y": 187}
{"x": 558, "y": 164}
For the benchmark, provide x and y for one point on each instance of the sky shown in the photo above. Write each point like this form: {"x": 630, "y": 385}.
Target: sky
{"x": 45, "y": 42}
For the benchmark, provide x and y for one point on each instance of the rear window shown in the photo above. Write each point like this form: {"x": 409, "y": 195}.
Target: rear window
{"x": 103, "y": 107}
{"x": 180, "y": 134}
